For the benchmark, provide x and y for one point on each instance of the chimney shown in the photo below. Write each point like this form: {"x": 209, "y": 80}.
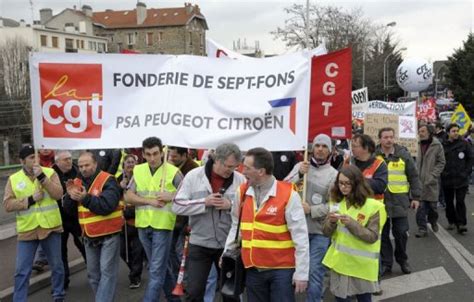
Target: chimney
{"x": 87, "y": 10}
{"x": 45, "y": 15}
{"x": 141, "y": 12}
{"x": 189, "y": 8}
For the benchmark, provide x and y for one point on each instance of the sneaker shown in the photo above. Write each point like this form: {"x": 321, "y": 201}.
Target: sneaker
{"x": 450, "y": 227}
{"x": 421, "y": 233}
{"x": 462, "y": 229}
{"x": 38, "y": 266}
{"x": 386, "y": 270}
{"x": 134, "y": 285}
{"x": 379, "y": 293}
{"x": 435, "y": 227}
{"x": 406, "y": 269}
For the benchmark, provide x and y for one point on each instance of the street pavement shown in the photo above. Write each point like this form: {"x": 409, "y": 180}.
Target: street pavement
{"x": 442, "y": 265}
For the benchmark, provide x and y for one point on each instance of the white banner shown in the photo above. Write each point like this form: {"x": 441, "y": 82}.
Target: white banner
{"x": 406, "y": 109}
{"x": 360, "y": 99}
{"x": 115, "y": 101}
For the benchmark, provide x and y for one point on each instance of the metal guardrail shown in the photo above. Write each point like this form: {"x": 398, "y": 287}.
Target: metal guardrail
{"x": 9, "y": 167}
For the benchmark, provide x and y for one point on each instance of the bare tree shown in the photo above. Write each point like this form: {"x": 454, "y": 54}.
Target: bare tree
{"x": 14, "y": 59}
{"x": 338, "y": 28}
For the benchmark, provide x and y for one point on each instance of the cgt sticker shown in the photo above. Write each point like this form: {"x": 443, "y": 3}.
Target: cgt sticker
{"x": 71, "y": 100}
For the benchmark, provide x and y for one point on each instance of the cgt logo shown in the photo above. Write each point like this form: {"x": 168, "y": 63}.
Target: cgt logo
{"x": 71, "y": 100}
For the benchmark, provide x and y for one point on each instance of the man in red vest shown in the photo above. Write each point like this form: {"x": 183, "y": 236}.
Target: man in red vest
{"x": 275, "y": 246}
{"x": 94, "y": 199}
{"x": 374, "y": 169}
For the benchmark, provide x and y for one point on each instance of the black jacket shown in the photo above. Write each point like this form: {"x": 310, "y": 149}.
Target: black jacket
{"x": 459, "y": 159}
{"x": 397, "y": 204}
{"x": 69, "y": 222}
{"x": 104, "y": 204}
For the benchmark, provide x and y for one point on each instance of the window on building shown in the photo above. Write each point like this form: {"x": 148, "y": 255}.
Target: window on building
{"x": 131, "y": 38}
{"x": 78, "y": 44}
{"x": 201, "y": 40}
{"x": 44, "y": 40}
{"x": 149, "y": 39}
{"x": 101, "y": 47}
{"x": 82, "y": 44}
{"x": 160, "y": 36}
{"x": 190, "y": 38}
{"x": 69, "y": 44}
{"x": 55, "y": 42}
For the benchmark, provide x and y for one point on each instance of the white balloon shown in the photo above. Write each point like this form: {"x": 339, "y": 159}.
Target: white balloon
{"x": 414, "y": 74}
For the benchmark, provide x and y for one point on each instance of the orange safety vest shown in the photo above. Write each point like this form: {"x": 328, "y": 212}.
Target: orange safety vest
{"x": 369, "y": 173}
{"x": 94, "y": 225}
{"x": 266, "y": 240}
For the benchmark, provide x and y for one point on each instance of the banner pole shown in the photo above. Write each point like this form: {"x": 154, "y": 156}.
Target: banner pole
{"x": 305, "y": 176}
{"x": 163, "y": 176}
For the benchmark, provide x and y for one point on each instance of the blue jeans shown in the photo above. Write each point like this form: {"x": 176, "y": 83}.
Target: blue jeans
{"x": 270, "y": 285}
{"x": 318, "y": 245}
{"x": 103, "y": 257}
{"x": 157, "y": 244}
{"x": 26, "y": 251}
{"x": 367, "y": 297}
{"x": 211, "y": 285}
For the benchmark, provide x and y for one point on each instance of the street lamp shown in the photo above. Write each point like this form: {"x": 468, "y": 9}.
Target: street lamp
{"x": 391, "y": 24}
{"x": 385, "y": 72}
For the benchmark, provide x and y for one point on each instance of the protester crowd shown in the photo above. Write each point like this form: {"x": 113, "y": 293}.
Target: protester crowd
{"x": 294, "y": 222}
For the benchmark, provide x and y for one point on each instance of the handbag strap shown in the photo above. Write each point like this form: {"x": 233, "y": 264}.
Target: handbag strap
{"x": 242, "y": 200}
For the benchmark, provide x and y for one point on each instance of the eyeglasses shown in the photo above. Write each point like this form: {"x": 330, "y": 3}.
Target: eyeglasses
{"x": 344, "y": 183}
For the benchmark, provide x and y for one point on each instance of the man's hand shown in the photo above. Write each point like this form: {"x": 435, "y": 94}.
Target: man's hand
{"x": 306, "y": 207}
{"x": 156, "y": 203}
{"x": 78, "y": 194}
{"x": 38, "y": 195}
{"x": 415, "y": 204}
{"x": 300, "y": 286}
{"x": 216, "y": 200}
{"x": 347, "y": 160}
{"x": 165, "y": 196}
{"x": 304, "y": 167}
{"x": 223, "y": 204}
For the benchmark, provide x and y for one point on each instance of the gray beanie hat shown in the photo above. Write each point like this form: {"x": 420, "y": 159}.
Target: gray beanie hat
{"x": 323, "y": 139}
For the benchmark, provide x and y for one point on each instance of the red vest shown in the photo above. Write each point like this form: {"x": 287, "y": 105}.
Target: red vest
{"x": 369, "y": 173}
{"x": 266, "y": 240}
{"x": 94, "y": 225}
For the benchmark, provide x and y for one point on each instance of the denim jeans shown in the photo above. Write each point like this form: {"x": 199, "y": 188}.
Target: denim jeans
{"x": 103, "y": 257}
{"x": 211, "y": 285}
{"x": 26, "y": 251}
{"x": 427, "y": 208}
{"x": 157, "y": 244}
{"x": 318, "y": 245}
{"x": 270, "y": 285}
{"x": 360, "y": 298}
{"x": 399, "y": 231}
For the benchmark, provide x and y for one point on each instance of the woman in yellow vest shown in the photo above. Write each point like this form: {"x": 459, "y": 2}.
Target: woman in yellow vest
{"x": 355, "y": 224}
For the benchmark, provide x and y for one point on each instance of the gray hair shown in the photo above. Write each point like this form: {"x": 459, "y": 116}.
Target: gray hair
{"x": 58, "y": 153}
{"x": 225, "y": 150}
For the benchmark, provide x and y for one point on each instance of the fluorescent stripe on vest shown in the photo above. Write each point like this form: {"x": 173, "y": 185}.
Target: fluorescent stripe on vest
{"x": 148, "y": 186}
{"x": 94, "y": 225}
{"x": 350, "y": 256}
{"x": 266, "y": 240}
{"x": 45, "y": 213}
{"x": 397, "y": 179}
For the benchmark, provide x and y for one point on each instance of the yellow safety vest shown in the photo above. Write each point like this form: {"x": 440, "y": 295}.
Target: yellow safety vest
{"x": 350, "y": 256}
{"x": 148, "y": 185}
{"x": 120, "y": 166}
{"x": 397, "y": 179}
{"x": 44, "y": 213}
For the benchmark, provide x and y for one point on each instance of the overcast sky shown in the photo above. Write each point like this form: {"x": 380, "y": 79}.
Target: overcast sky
{"x": 430, "y": 29}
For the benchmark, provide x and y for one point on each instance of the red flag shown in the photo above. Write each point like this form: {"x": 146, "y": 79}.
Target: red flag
{"x": 330, "y": 95}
